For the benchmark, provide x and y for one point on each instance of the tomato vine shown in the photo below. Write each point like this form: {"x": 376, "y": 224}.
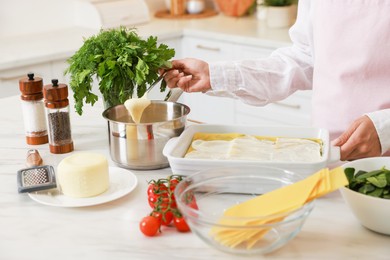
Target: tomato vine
{"x": 161, "y": 199}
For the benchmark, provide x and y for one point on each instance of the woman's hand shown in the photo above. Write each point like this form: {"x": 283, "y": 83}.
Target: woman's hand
{"x": 191, "y": 75}
{"x": 359, "y": 141}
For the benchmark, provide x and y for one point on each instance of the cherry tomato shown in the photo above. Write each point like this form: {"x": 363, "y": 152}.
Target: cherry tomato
{"x": 151, "y": 188}
{"x": 149, "y": 226}
{"x": 173, "y": 203}
{"x": 172, "y": 184}
{"x": 152, "y": 200}
{"x": 158, "y": 195}
{"x": 158, "y": 203}
{"x": 165, "y": 218}
{"x": 180, "y": 224}
{"x": 157, "y": 188}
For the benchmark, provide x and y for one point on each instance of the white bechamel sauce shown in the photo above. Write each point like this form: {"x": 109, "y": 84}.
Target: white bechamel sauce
{"x": 251, "y": 148}
{"x": 136, "y": 107}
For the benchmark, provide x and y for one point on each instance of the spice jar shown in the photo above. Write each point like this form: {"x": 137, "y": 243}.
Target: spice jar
{"x": 57, "y": 110}
{"x": 33, "y": 109}
{"x": 178, "y": 7}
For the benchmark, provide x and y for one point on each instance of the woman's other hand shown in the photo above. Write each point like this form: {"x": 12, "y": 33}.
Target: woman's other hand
{"x": 359, "y": 141}
{"x": 191, "y": 75}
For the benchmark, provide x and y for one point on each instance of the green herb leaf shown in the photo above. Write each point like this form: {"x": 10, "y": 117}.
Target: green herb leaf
{"x": 163, "y": 85}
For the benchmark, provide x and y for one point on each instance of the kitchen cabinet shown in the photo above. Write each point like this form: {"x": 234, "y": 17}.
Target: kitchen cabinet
{"x": 207, "y": 49}
{"x": 294, "y": 110}
{"x": 250, "y": 52}
{"x": 204, "y": 108}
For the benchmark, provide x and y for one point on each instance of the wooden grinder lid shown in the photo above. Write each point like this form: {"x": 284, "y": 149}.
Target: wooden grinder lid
{"x": 31, "y": 88}
{"x": 56, "y": 95}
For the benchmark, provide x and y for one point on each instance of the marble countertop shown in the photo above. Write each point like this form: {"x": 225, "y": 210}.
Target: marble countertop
{"x": 30, "y": 230}
{"x": 25, "y": 50}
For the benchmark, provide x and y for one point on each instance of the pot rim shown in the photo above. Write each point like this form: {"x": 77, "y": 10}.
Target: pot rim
{"x": 186, "y": 108}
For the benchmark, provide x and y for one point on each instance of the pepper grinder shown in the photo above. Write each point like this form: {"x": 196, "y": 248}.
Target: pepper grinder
{"x": 33, "y": 109}
{"x": 57, "y": 111}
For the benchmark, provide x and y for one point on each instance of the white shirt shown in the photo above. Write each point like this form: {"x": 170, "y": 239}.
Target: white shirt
{"x": 320, "y": 60}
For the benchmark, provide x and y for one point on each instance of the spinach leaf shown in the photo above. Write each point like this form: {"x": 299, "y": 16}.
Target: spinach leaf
{"x": 373, "y": 183}
{"x": 349, "y": 172}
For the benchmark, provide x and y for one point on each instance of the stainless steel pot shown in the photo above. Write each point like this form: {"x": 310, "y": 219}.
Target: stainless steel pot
{"x": 139, "y": 146}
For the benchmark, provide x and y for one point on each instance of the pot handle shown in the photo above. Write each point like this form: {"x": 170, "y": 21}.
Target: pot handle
{"x": 334, "y": 154}
{"x": 167, "y": 150}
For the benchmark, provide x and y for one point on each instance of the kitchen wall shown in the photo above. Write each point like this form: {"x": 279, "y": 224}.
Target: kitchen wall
{"x": 30, "y": 16}
{"x": 24, "y": 17}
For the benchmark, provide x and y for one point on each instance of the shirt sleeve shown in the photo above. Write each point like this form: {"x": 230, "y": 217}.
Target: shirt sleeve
{"x": 381, "y": 120}
{"x": 261, "y": 81}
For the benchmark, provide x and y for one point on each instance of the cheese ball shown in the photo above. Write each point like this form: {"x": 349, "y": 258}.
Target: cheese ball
{"x": 83, "y": 174}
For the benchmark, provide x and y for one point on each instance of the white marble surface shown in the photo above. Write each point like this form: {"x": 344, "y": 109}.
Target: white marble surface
{"x": 29, "y": 230}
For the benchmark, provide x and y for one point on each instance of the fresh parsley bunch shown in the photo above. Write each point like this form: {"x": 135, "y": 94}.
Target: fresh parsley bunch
{"x": 121, "y": 61}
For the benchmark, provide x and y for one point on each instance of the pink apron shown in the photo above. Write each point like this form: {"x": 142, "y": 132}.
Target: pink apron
{"x": 351, "y": 61}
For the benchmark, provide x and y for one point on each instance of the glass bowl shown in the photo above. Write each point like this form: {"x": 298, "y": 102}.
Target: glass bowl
{"x": 203, "y": 198}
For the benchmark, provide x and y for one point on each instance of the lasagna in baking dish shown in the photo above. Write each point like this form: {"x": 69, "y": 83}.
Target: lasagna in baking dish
{"x": 236, "y": 146}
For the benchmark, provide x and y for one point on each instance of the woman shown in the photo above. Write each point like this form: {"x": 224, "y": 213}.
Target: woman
{"x": 341, "y": 50}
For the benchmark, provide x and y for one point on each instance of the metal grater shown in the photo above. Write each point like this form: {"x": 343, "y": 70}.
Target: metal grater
{"x": 36, "y": 178}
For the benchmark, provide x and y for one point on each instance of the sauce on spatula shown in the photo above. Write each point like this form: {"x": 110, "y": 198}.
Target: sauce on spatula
{"x": 136, "y": 107}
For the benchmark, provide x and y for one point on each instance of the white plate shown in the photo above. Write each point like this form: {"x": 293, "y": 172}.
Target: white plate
{"x": 122, "y": 182}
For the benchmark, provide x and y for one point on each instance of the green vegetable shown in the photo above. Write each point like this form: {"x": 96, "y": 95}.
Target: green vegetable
{"x": 373, "y": 183}
{"x": 278, "y": 2}
{"x": 122, "y": 63}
